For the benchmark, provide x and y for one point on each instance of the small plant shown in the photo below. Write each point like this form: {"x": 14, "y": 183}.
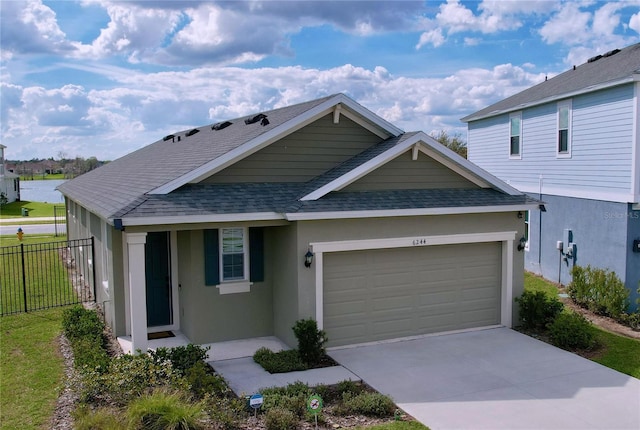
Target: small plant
{"x": 293, "y": 397}
{"x": 311, "y": 341}
{"x": 279, "y": 418}
{"x": 537, "y": 310}
{"x": 571, "y": 331}
{"x": 279, "y": 362}
{"x": 367, "y": 403}
{"x": 182, "y": 358}
{"x": 165, "y": 411}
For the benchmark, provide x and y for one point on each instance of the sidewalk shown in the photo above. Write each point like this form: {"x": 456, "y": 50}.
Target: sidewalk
{"x": 20, "y": 220}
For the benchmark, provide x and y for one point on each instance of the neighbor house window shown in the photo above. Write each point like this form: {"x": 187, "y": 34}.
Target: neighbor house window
{"x": 233, "y": 250}
{"x": 515, "y": 141}
{"x": 564, "y": 129}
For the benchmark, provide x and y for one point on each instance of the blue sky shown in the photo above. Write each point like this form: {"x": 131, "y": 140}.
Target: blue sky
{"x": 103, "y": 78}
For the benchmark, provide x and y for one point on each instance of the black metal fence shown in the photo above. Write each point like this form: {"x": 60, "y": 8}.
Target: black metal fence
{"x": 60, "y": 220}
{"x": 46, "y": 275}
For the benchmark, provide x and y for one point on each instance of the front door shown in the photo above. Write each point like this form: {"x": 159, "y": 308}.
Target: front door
{"x": 158, "y": 274}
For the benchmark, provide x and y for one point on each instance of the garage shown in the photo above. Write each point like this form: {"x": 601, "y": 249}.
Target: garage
{"x": 377, "y": 294}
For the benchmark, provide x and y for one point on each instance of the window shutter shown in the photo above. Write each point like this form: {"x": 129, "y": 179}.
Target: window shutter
{"x": 211, "y": 258}
{"x": 256, "y": 254}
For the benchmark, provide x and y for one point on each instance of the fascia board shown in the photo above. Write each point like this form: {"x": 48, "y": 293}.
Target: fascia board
{"x": 586, "y": 90}
{"x": 361, "y": 170}
{"x": 277, "y": 133}
{"x": 391, "y": 213}
{"x": 197, "y": 219}
{"x": 581, "y": 193}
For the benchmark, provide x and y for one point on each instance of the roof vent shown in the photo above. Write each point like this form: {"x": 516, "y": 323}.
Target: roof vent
{"x": 192, "y": 132}
{"x": 168, "y": 137}
{"x": 221, "y": 125}
{"x": 264, "y": 121}
{"x": 612, "y": 52}
{"x": 255, "y": 119}
{"x": 594, "y": 59}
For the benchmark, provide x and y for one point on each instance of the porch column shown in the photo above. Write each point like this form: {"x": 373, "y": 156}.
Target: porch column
{"x": 137, "y": 291}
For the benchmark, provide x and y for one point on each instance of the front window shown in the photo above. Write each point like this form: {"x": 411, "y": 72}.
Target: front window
{"x": 515, "y": 126}
{"x": 564, "y": 129}
{"x": 233, "y": 254}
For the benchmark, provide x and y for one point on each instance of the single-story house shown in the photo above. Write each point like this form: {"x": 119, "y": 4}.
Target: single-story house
{"x": 9, "y": 181}
{"x": 322, "y": 210}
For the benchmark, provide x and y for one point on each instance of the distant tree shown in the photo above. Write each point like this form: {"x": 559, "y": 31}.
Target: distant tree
{"x": 453, "y": 142}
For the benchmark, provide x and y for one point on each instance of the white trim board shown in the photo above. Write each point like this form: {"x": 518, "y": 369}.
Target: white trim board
{"x": 506, "y": 237}
{"x": 590, "y": 194}
{"x": 309, "y": 216}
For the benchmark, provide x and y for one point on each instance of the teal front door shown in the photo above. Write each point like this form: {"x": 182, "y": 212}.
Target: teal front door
{"x": 158, "y": 274}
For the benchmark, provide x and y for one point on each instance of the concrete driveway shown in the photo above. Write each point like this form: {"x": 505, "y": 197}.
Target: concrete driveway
{"x": 496, "y": 379}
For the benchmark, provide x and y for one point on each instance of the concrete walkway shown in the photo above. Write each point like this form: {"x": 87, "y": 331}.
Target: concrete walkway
{"x": 496, "y": 379}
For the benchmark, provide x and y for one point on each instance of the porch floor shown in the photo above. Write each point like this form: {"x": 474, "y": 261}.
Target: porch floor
{"x": 218, "y": 350}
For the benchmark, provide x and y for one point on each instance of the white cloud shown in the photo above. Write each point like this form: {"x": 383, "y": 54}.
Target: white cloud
{"x": 569, "y": 26}
{"x": 634, "y": 22}
{"x": 144, "y": 107}
{"x": 433, "y": 37}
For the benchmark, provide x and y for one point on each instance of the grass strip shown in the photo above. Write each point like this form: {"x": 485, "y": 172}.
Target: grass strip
{"x": 31, "y": 368}
{"x": 36, "y": 209}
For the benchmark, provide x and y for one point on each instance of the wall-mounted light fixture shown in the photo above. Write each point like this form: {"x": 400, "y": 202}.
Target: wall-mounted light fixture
{"x": 542, "y": 208}
{"x": 308, "y": 258}
{"x": 519, "y": 214}
{"x": 522, "y": 243}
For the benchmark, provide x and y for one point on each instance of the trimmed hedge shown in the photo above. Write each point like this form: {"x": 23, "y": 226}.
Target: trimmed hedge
{"x": 85, "y": 332}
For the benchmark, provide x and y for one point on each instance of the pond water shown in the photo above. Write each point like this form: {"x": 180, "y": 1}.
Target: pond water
{"x": 41, "y": 191}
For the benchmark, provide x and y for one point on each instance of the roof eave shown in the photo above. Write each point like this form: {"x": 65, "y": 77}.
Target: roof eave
{"x": 629, "y": 79}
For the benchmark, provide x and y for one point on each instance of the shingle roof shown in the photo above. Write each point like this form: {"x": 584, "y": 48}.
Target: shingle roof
{"x": 118, "y": 184}
{"x": 610, "y": 69}
{"x": 217, "y": 199}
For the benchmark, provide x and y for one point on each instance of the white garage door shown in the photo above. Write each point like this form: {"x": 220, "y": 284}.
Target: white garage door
{"x": 389, "y": 293}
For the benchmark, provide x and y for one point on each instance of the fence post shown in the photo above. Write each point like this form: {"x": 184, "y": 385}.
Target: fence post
{"x": 93, "y": 267}
{"x": 24, "y": 277}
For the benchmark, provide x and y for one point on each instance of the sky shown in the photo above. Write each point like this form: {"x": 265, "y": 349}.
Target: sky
{"x": 98, "y": 78}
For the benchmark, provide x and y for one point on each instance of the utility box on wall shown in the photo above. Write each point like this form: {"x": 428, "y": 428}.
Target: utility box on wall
{"x": 636, "y": 245}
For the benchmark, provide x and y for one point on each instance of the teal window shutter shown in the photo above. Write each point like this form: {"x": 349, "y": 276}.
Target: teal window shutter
{"x": 211, "y": 258}
{"x": 256, "y": 254}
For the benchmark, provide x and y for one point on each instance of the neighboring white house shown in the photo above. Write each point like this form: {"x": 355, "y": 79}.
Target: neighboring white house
{"x": 573, "y": 142}
{"x": 9, "y": 181}
{"x": 322, "y": 209}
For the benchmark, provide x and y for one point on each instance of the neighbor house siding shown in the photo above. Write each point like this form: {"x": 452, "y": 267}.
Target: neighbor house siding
{"x": 405, "y": 173}
{"x": 601, "y": 147}
{"x": 301, "y": 156}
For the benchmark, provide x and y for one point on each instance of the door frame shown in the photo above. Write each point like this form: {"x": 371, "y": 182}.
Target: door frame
{"x": 507, "y": 238}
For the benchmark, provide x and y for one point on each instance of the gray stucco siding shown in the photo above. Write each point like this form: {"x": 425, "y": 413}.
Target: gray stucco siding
{"x": 301, "y": 156}
{"x": 632, "y": 280}
{"x": 602, "y": 232}
{"x": 206, "y": 315}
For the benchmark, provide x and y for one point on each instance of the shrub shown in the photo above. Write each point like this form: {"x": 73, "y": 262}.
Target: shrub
{"x": 293, "y": 397}
{"x": 227, "y": 413}
{"x": 128, "y": 377}
{"x": 85, "y": 332}
{"x": 631, "y": 320}
{"x": 571, "y": 331}
{"x": 203, "y": 381}
{"x": 311, "y": 341}
{"x": 367, "y": 403}
{"x": 99, "y": 419}
{"x": 278, "y": 418}
{"x": 599, "y": 290}
{"x": 182, "y": 358}
{"x": 537, "y": 309}
{"x": 165, "y": 411}
{"x": 279, "y": 362}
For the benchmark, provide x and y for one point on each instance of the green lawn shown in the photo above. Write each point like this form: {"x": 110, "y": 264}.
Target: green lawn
{"x": 617, "y": 352}
{"x": 31, "y": 369}
{"x": 36, "y": 209}
{"x": 397, "y": 425}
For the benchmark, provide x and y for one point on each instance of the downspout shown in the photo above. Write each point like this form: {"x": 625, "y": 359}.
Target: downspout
{"x": 540, "y": 225}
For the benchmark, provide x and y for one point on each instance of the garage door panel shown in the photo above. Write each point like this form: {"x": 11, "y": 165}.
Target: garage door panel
{"x": 401, "y": 292}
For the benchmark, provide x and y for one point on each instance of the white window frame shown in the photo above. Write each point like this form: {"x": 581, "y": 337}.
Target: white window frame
{"x": 561, "y": 105}
{"x": 245, "y": 252}
{"x": 517, "y": 156}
